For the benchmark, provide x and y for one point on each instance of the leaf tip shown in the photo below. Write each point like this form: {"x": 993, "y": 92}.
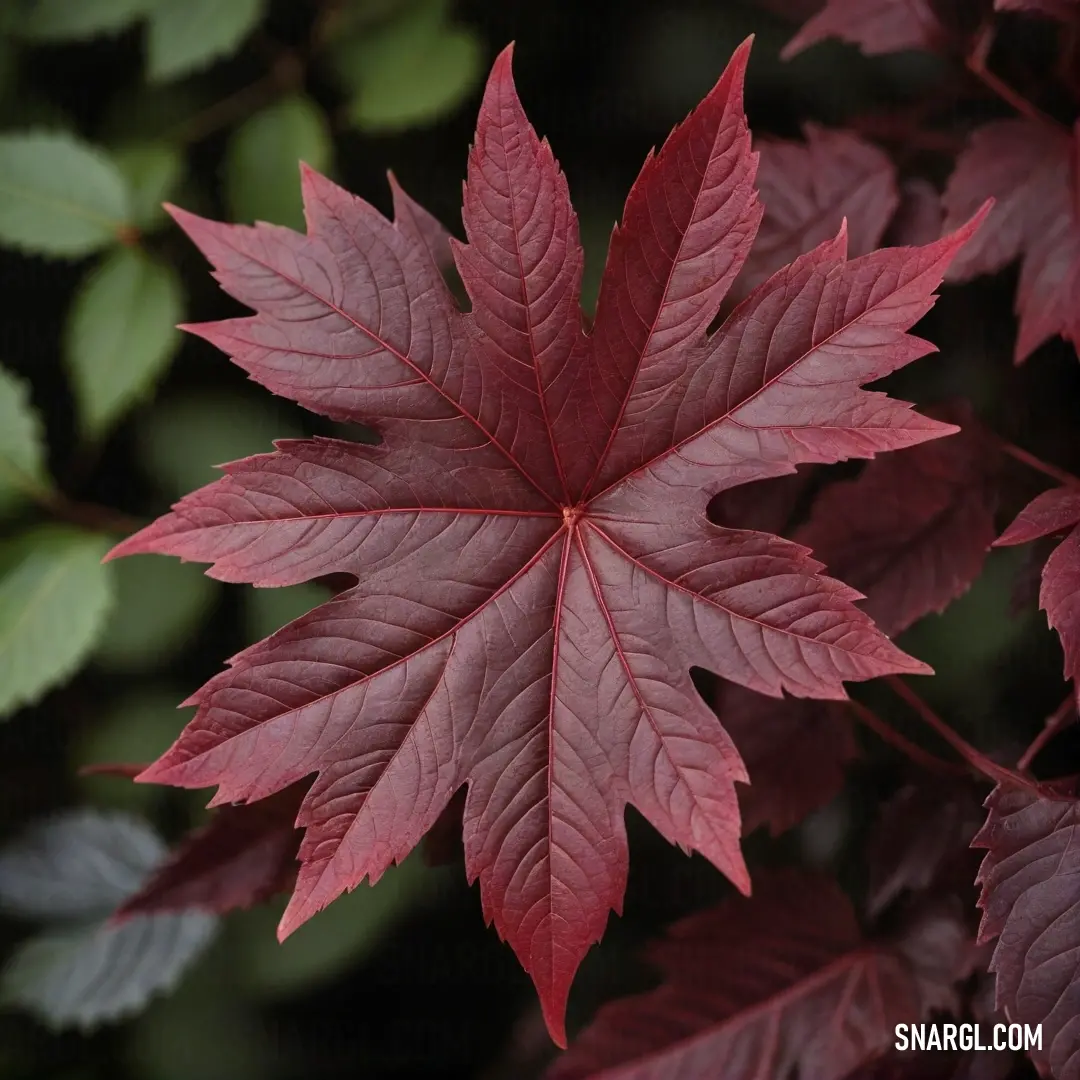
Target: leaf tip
{"x": 189, "y": 222}
{"x": 963, "y": 233}
{"x": 131, "y": 545}
{"x": 915, "y": 666}
{"x": 731, "y": 81}
{"x": 554, "y": 1010}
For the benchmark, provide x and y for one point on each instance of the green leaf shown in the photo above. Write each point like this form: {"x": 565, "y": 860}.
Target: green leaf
{"x": 152, "y": 171}
{"x": 120, "y": 336}
{"x": 180, "y": 440}
{"x": 160, "y": 603}
{"x": 262, "y": 178}
{"x": 332, "y": 941}
{"x": 58, "y": 20}
{"x": 22, "y": 441}
{"x": 59, "y": 196}
{"x": 81, "y": 867}
{"x": 54, "y": 598}
{"x": 411, "y": 71}
{"x": 185, "y": 35}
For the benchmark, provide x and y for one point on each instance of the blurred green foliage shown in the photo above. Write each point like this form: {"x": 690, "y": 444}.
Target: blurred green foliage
{"x": 218, "y": 102}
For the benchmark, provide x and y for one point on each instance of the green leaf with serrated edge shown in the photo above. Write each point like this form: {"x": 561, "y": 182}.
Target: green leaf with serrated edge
{"x": 22, "y": 442}
{"x": 160, "y": 603}
{"x": 413, "y": 70}
{"x": 120, "y": 335}
{"x": 153, "y": 171}
{"x": 54, "y": 598}
{"x": 185, "y": 35}
{"x": 182, "y": 439}
{"x": 77, "y": 868}
{"x": 60, "y": 20}
{"x": 58, "y": 195}
{"x": 262, "y": 178}
{"x": 332, "y": 941}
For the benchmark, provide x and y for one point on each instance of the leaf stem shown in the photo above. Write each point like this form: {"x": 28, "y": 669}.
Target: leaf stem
{"x": 1061, "y": 717}
{"x": 976, "y": 62}
{"x": 975, "y": 758}
{"x": 916, "y": 753}
{"x": 87, "y": 515}
{"x": 1029, "y": 459}
{"x": 221, "y": 114}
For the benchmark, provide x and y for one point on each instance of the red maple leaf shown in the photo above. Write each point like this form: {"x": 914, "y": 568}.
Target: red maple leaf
{"x": 1031, "y": 903}
{"x": 920, "y": 840}
{"x": 1033, "y": 173}
{"x": 808, "y": 189}
{"x": 241, "y": 857}
{"x": 784, "y": 984}
{"x": 919, "y": 217}
{"x": 794, "y": 752}
{"x": 1053, "y": 512}
{"x": 876, "y": 26}
{"x": 535, "y": 572}
{"x": 1058, "y": 9}
{"x": 912, "y": 530}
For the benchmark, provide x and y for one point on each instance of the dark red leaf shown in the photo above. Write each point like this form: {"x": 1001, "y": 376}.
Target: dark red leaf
{"x": 1031, "y": 904}
{"x": 912, "y": 530}
{"x": 921, "y": 836}
{"x": 1059, "y": 595}
{"x": 779, "y": 985}
{"x": 920, "y": 215}
{"x": 794, "y": 752}
{"x": 1031, "y": 170}
{"x": 535, "y": 572}
{"x": 876, "y": 26}
{"x": 1058, "y": 9}
{"x": 808, "y": 189}
{"x": 241, "y": 857}
{"x": 1053, "y": 511}
{"x": 765, "y": 505}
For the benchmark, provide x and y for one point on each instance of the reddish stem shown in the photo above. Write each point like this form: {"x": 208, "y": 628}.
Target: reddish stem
{"x": 1061, "y": 717}
{"x": 1029, "y": 459}
{"x": 975, "y": 758}
{"x": 976, "y": 63}
{"x": 87, "y": 515}
{"x": 904, "y": 745}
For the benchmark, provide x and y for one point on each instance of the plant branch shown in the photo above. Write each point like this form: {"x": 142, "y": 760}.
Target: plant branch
{"x": 976, "y": 62}
{"x": 916, "y": 753}
{"x": 1061, "y": 717}
{"x": 86, "y": 515}
{"x": 1029, "y": 459}
{"x": 225, "y": 112}
{"x": 975, "y": 758}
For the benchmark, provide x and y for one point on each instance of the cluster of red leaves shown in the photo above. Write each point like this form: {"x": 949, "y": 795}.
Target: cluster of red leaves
{"x": 535, "y": 573}
{"x": 782, "y": 984}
